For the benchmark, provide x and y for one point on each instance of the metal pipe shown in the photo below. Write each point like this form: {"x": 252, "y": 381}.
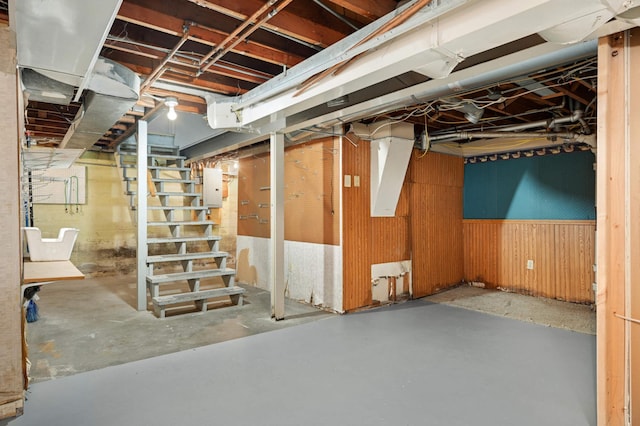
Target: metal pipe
{"x": 339, "y": 52}
{"x": 575, "y": 117}
{"x": 157, "y": 72}
{"x": 193, "y": 59}
{"x": 238, "y": 30}
{"x": 481, "y": 135}
{"x": 336, "y": 14}
{"x": 222, "y": 49}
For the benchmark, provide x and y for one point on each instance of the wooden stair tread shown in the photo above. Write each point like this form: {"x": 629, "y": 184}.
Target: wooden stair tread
{"x": 169, "y": 168}
{"x": 179, "y": 194}
{"x": 167, "y": 156}
{"x": 160, "y": 240}
{"x": 197, "y": 295}
{"x": 180, "y": 276}
{"x": 177, "y": 207}
{"x": 181, "y": 223}
{"x": 173, "y": 180}
{"x": 186, "y": 256}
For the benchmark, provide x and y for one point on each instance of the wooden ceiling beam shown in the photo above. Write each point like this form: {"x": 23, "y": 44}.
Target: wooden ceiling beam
{"x": 572, "y": 94}
{"x": 167, "y": 24}
{"x": 285, "y": 21}
{"x": 198, "y": 83}
{"x": 45, "y": 128}
{"x": 183, "y": 97}
{"x": 371, "y": 9}
{"x": 46, "y": 134}
{"x": 256, "y": 77}
{"x": 31, "y": 120}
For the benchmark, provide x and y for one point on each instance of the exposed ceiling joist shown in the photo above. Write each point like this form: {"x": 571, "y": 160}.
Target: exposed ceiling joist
{"x": 372, "y": 9}
{"x": 300, "y": 24}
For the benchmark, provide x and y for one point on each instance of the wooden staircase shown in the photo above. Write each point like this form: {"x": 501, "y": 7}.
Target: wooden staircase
{"x": 180, "y": 242}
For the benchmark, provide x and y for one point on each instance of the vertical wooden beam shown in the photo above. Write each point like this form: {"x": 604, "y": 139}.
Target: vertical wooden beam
{"x": 277, "y": 225}
{"x": 141, "y": 214}
{"x": 633, "y": 215}
{"x": 618, "y": 226}
{"x": 11, "y": 356}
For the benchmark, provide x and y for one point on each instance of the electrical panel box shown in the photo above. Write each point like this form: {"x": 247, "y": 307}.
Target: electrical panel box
{"x": 212, "y": 187}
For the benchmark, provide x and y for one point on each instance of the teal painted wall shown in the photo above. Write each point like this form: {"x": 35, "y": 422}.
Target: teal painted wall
{"x": 556, "y": 187}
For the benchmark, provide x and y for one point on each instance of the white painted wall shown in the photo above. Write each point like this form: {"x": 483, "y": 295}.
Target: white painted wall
{"x": 313, "y": 272}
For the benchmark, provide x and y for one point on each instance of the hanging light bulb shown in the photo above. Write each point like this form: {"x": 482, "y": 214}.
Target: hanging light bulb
{"x": 171, "y": 102}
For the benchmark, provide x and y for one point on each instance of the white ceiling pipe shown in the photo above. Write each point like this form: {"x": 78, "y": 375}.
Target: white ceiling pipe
{"x": 507, "y": 67}
{"x": 576, "y": 117}
{"x": 517, "y": 64}
{"x": 566, "y": 136}
{"x": 344, "y": 50}
{"x": 462, "y": 32}
{"x": 497, "y": 146}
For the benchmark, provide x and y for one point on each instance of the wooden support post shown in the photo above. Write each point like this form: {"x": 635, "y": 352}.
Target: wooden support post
{"x": 633, "y": 222}
{"x": 141, "y": 213}
{"x": 11, "y": 354}
{"x": 277, "y": 225}
{"x": 618, "y": 228}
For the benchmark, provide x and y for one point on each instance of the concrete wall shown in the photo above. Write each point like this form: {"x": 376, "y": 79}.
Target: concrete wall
{"x": 106, "y": 244}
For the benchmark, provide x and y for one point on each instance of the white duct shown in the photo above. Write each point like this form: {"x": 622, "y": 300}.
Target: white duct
{"x": 391, "y": 147}
{"x": 62, "y": 38}
{"x": 112, "y": 91}
{"x": 432, "y": 47}
{"x": 507, "y": 67}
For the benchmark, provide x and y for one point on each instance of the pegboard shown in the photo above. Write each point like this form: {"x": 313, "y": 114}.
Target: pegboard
{"x": 59, "y": 186}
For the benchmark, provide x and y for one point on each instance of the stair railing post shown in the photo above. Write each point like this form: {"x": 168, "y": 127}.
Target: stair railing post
{"x": 141, "y": 214}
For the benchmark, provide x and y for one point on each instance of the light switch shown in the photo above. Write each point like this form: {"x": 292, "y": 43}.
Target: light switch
{"x": 347, "y": 181}
{"x": 356, "y": 181}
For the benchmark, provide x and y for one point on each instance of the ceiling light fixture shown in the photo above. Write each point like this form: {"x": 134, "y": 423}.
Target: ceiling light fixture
{"x": 171, "y": 102}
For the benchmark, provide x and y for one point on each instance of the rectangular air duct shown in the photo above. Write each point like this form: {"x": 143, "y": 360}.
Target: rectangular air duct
{"x": 391, "y": 147}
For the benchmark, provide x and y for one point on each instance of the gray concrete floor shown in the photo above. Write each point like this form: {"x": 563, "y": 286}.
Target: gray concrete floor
{"x": 416, "y": 363}
{"x": 90, "y": 324}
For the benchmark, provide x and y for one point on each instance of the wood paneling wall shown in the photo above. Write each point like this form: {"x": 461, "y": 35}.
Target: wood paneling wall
{"x": 357, "y": 226}
{"x": 496, "y": 253}
{"x": 436, "y": 222}
{"x": 427, "y": 227}
{"x": 311, "y": 193}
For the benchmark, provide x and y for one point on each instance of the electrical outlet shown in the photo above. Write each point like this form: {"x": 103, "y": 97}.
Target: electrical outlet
{"x": 347, "y": 181}
{"x": 356, "y": 181}
{"x": 529, "y": 264}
